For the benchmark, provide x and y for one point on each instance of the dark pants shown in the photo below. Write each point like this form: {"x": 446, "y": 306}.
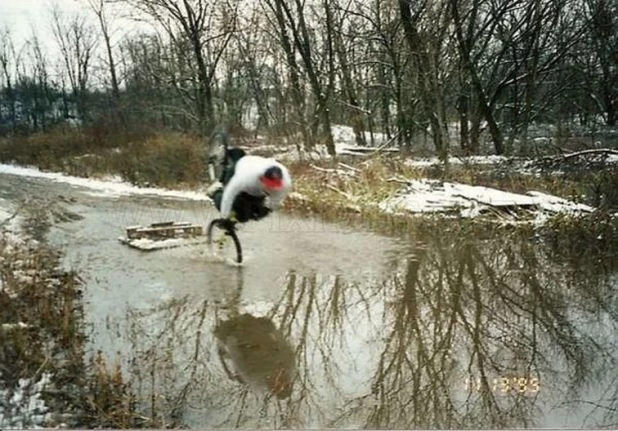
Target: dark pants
{"x": 246, "y": 207}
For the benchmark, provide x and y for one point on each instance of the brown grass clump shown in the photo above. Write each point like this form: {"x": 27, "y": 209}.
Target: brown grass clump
{"x": 44, "y": 344}
{"x": 109, "y": 401}
{"x": 172, "y": 160}
{"x": 343, "y": 192}
{"x": 166, "y": 159}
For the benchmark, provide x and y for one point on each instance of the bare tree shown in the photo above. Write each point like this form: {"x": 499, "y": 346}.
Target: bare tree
{"x": 252, "y": 49}
{"x": 100, "y": 10}
{"x": 603, "y": 34}
{"x": 294, "y": 71}
{"x": 465, "y": 43}
{"x": 390, "y": 62}
{"x": 425, "y": 53}
{"x": 207, "y": 27}
{"x": 150, "y": 84}
{"x": 345, "y": 70}
{"x": 295, "y": 22}
{"x": 406, "y": 68}
{"x": 38, "y": 92}
{"x": 76, "y": 40}
{"x": 8, "y": 65}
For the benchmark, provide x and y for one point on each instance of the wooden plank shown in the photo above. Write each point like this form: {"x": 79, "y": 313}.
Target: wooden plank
{"x": 164, "y": 230}
{"x": 147, "y": 245}
{"x": 170, "y": 223}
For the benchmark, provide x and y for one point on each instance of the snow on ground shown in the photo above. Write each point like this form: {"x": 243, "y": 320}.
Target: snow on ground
{"x": 420, "y": 197}
{"x": 321, "y": 153}
{"x": 147, "y": 244}
{"x": 112, "y": 186}
{"x": 524, "y": 165}
{"x": 345, "y": 144}
{"x": 424, "y": 196}
{"x": 9, "y": 217}
{"x": 432, "y": 196}
{"x": 471, "y": 160}
{"x": 23, "y": 407}
{"x": 4, "y": 214}
{"x": 344, "y": 135}
{"x": 555, "y": 204}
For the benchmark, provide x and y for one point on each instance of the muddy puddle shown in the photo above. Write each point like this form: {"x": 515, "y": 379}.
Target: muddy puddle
{"x": 328, "y": 327}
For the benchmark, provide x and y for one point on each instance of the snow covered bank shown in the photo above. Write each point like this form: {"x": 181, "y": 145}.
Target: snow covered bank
{"x": 345, "y": 145}
{"x": 422, "y": 196}
{"x": 426, "y": 196}
{"x": 21, "y": 404}
{"x": 22, "y": 407}
{"x": 523, "y": 165}
{"x": 470, "y": 160}
{"x": 112, "y": 186}
{"x": 41, "y": 330}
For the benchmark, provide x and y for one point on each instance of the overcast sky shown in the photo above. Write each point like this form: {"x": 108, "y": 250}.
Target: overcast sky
{"x": 25, "y": 17}
{"x": 21, "y": 15}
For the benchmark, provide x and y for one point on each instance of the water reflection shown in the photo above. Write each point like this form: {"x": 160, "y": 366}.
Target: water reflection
{"x": 253, "y": 351}
{"x": 468, "y": 332}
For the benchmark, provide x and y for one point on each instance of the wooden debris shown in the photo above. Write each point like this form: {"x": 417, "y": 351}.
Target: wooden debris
{"x": 366, "y": 151}
{"x": 163, "y": 230}
{"x": 491, "y": 197}
{"x": 599, "y": 156}
{"x": 349, "y": 171}
{"x": 351, "y": 168}
{"x": 433, "y": 196}
{"x": 604, "y": 151}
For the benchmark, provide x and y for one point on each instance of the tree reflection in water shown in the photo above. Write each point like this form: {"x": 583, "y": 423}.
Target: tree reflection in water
{"x": 469, "y": 332}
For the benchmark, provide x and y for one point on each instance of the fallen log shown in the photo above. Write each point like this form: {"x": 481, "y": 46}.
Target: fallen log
{"x": 605, "y": 151}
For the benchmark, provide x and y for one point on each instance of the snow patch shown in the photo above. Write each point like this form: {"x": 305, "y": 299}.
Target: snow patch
{"x": 344, "y": 135}
{"x": 345, "y": 144}
{"x": 432, "y": 196}
{"x": 425, "y": 196}
{"x": 112, "y": 186}
{"x": 4, "y": 215}
{"x": 147, "y": 244}
{"x": 469, "y": 160}
{"x": 556, "y": 204}
{"x": 22, "y": 407}
{"x": 10, "y": 221}
{"x": 18, "y": 325}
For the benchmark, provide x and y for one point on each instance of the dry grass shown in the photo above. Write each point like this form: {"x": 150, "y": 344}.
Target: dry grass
{"x": 349, "y": 194}
{"x": 337, "y": 193}
{"x": 43, "y": 332}
{"x": 585, "y": 237}
{"x": 108, "y": 398}
{"x": 176, "y": 160}
{"x": 169, "y": 159}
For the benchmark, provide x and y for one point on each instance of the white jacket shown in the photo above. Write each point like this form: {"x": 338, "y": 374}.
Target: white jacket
{"x": 246, "y": 178}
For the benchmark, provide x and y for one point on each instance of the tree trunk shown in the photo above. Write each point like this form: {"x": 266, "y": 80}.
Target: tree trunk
{"x": 429, "y": 88}
{"x": 350, "y": 91}
{"x": 463, "y": 107}
{"x": 302, "y": 42}
{"x": 296, "y": 89}
{"x": 464, "y": 51}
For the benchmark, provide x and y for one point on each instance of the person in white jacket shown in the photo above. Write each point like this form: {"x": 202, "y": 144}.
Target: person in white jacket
{"x": 250, "y": 187}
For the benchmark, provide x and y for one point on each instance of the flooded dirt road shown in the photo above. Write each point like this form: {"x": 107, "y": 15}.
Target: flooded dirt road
{"x": 326, "y": 326}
